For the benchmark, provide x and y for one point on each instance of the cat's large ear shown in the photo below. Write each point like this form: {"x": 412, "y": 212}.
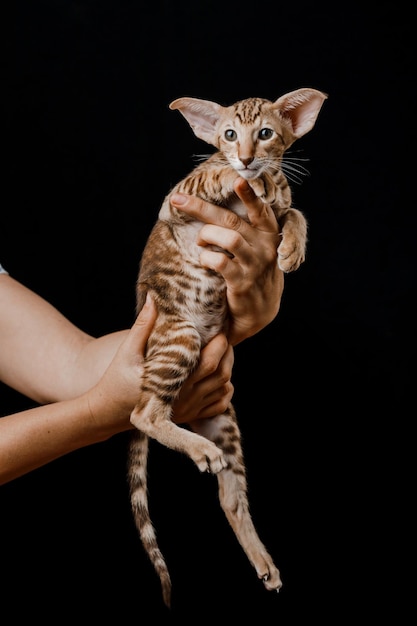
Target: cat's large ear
{"x": 202, "y": 116}
{"x": 301, "y": 108}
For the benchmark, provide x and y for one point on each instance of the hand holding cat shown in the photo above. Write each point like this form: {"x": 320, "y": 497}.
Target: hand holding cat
{"x": 209, "y": 390}
{"x": 93, "y": 400}
{"x": 254, "y": 281}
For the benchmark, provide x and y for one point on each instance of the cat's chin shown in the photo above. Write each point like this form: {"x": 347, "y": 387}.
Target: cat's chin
{"x": 248, "y": 174}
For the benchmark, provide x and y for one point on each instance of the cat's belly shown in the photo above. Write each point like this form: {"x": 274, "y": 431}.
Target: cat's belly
{"x": 207, "y": 306}
{"x": 209, "y": 326}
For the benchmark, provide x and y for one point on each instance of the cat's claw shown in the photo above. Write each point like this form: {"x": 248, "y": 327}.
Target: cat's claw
{"x": 265, "y": 578}
{"x": 272, "y": 580}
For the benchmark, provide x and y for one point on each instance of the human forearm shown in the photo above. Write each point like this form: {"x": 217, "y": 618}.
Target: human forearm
{"x": 92, "y": 361}
{"x": 35, "y": 437}
{"x": 43, "y": 355}
{"x": 40, "y": 435}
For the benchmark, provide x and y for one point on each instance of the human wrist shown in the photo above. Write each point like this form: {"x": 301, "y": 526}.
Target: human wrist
{"x": 106, "y": 416}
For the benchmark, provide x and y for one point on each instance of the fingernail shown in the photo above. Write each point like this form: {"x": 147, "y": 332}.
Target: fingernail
{"x": 179, "y": 199}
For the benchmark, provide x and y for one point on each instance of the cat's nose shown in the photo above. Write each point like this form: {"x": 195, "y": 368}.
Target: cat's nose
{"x": 247, "y": 161}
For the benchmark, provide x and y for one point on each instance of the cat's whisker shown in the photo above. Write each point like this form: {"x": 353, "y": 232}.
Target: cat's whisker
{"x": 293, "y": 178}
{"x": 294, "y": 170}
{"x": 291, "y": 152}
{"x": 294, "y": 161}
{"x": 201, "y": 157}
{"x": 290, "y": 158}
{"x": 292, "y": 165}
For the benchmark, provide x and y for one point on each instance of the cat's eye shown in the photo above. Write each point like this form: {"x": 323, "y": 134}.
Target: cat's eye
{"x": 265, "y": 133}
{"x": 230, "y": 134}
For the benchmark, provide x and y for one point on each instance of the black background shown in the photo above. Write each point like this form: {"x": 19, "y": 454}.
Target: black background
{"x": 324, "y": 394}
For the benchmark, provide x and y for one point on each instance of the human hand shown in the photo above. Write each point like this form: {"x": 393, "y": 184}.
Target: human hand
{"x": 206, "y": 393}
{"x": 116, "y": 394}
{"x": 253, "y": 279}
{"x": 209, "y": 390}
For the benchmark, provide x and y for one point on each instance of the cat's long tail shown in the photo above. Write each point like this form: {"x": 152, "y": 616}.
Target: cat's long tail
{"x": 137, "y": 477}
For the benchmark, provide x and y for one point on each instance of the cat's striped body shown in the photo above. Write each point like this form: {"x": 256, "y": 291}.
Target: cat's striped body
{"x": 192, "y": 306}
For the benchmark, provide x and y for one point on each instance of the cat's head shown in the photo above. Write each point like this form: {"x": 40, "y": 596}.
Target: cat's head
{"x": 254, "y": 133}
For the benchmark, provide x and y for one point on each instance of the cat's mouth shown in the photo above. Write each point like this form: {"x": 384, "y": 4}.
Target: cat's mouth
{"x": 247, "y": 173}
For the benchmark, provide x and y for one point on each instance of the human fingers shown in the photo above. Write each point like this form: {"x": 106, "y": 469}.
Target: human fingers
{"x": 201, "y": 405}
{"x": 246, "y": 258}
{"x": 215, "y": 355}
{"x": 217, "y": 402}
{"x": 205, "y": 211}
{"x": 225, "y": 229}
{"x": 211, "y": 377}
{"x": 260, "y": 214}
{"x": 210, "y": 384}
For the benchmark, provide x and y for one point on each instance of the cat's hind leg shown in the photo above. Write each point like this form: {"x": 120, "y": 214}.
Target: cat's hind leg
{"x": 173, "y": 353}
{"x": 153, "y": 417}
{"x": 224, "y": 431}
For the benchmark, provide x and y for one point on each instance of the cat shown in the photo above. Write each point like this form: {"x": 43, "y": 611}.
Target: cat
{"x": 251, "y": 137}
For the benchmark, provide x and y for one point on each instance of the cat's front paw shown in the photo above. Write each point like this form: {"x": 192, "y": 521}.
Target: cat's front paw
{"x": 258, "y": 187}
{"x": 291, "y": 253}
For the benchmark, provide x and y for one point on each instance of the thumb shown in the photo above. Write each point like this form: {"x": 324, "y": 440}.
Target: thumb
{"x": 260, "y": 214}
{"x": 141, "y": 329}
